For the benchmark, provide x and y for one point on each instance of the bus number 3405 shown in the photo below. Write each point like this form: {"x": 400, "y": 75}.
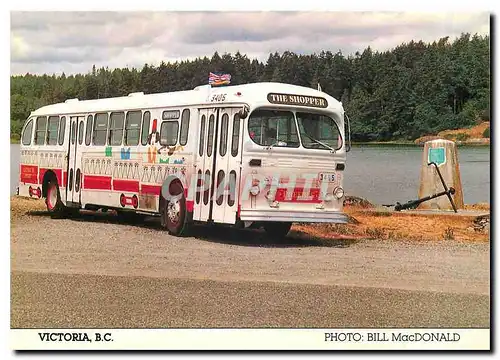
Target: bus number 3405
{"x": 218, "y": 97}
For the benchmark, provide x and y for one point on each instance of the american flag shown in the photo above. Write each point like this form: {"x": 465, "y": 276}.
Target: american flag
{"x": 219, "y": 79}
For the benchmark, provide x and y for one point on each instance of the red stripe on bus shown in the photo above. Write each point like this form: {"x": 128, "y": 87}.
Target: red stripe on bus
{"x": 96, "y": 182}
{"x": 58, "y": 173}
{"x": 65, "y": 179}
{"x": 150, "y": 189}
{"x": 41, "y": 173}
{"x": 29, "y": 174}
{"x": 189, "y": 205}
{"x": 311, "y": 198}
{"x": 126, "y": 185}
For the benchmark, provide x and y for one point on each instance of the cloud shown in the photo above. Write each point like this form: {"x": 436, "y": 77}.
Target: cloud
{"x": 47, "y": 42}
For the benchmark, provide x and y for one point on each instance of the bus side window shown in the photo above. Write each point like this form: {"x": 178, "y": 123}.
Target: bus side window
{"x": 132, "y": 128}
{"x": 88, "y": 132}
{"x": 169, "y": 132}
{"x": 116, "y": 128}
{"x": 41, "y": 130}
{"x": 27, "y": 132}
{"x": 62, "y": 129}
{"x": 146, "y": 118}
{"x": 236, "y": 135}
{"x": 100, "y": 129}
{"x": 184, "y": 127}
{"x": 52, "y": 130}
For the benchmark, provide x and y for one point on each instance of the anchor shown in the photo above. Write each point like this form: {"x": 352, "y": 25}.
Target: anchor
{"x": 412, "y": 204}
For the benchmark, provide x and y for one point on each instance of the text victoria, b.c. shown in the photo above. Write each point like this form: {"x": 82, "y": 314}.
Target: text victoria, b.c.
{"x": 74, "y": 336}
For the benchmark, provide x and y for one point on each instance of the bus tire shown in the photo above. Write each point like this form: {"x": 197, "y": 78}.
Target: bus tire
{"x": 277, "y": 230}
{"x": 55, "y": 207}
{"x": 174, "y": 213}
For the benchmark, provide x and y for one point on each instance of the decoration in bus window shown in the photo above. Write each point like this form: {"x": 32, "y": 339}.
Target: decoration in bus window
{"x": 154, "y": 136}
{"x": 170, "y": 115}
{"x": 125, "y": 154}
{"x": 301, "y": 100}
{"x": 108, "y": 151}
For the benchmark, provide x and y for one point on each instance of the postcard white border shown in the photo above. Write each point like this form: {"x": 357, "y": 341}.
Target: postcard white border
{"x": 250, "y": 339}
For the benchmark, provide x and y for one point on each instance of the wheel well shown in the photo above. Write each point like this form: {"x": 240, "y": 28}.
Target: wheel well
{"x": 49, "y": 174}
{"x": 162, "y": 200}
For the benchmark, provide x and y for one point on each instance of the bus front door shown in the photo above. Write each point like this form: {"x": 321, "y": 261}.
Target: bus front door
{"x": 218, "y": 165}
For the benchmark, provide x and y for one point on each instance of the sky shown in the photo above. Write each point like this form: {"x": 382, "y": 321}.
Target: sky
{"x": 71, "y": 42}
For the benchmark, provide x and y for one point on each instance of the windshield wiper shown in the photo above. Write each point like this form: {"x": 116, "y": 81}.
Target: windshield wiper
{"x": 319, "y": 142}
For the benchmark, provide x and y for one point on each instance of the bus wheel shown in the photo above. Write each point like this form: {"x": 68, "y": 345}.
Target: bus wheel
{"x": 174, "y": 211}
{"x": 53, "y": 199}
{"x": 277, "y": 230}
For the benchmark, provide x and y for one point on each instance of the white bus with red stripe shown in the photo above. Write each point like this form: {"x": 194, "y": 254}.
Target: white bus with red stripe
{"x": 262, "y": 154}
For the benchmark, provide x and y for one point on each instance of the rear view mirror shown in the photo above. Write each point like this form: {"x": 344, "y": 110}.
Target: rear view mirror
{"x": 244, "y": 112}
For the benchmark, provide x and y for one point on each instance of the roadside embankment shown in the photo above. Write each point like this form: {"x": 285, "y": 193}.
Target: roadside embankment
{"x": 367, "y": 222}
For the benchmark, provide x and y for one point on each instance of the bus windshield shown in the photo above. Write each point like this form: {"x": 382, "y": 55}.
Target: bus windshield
{"x": 281, "y": 129}
{"x": 318, "y": 131}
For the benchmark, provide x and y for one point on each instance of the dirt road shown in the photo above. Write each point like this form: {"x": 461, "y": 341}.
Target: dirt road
{"x": 93, "y": 271}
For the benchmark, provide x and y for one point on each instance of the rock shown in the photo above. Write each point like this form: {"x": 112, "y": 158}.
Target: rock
{"x": 357, "y": 201}
{"x": 482, "y": 223}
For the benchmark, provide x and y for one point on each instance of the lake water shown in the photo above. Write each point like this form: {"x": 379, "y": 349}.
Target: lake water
{"x": 384, "y": 174}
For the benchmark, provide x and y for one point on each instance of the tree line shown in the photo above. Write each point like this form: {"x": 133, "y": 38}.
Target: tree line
{"x": 411, "y": 90}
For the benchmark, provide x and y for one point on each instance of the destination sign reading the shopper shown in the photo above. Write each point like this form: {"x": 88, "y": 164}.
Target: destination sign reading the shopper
{"x": 301, "y": 100}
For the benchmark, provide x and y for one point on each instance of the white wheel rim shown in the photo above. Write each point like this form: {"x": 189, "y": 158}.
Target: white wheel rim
{"x": 52, "y": 197}
{"x": 173, "y": 211}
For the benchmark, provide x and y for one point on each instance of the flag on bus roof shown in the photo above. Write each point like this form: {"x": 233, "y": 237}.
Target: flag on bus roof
{"x": 219, "y": 79}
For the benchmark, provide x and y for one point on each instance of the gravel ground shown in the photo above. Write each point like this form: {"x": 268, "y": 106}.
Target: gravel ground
{"x": 104, "y": 273}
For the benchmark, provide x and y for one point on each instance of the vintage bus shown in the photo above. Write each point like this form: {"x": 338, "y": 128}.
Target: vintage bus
{"x": 260, "y": 155}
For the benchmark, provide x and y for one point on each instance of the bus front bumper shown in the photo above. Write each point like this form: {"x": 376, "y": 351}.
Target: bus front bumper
{"x": 294, "y": 216}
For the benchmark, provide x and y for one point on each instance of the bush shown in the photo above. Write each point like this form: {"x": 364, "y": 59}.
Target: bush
{"x": 462, "y": 136}
{"x": 486, "y": 132}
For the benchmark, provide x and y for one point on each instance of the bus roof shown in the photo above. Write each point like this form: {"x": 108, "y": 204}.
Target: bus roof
{"x": 254, "y": 94}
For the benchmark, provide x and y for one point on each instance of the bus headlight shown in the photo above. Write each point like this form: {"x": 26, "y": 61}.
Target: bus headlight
{"x": 338, "y": 192}
{"x": 254, "y": 190}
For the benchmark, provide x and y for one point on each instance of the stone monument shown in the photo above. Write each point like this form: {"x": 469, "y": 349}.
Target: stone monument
{"x": 444, "y": 154}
